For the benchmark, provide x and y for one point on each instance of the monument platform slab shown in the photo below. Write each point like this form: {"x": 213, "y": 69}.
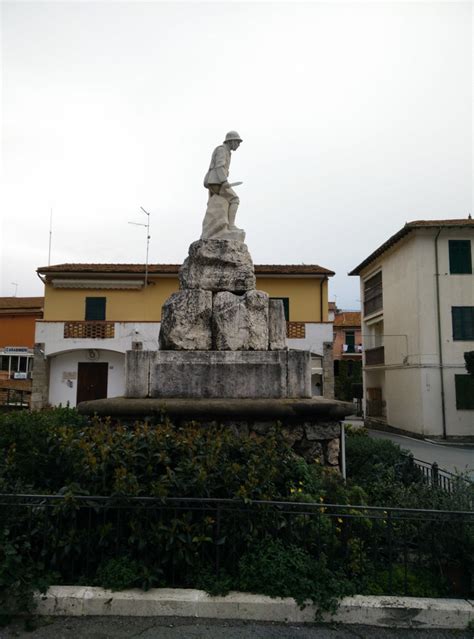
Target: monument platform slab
{"x": 218, "y": 374}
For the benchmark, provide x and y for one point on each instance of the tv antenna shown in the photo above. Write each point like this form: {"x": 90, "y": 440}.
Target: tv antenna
{"x": 50, "y": 235}
{"x": 147, "y": 226}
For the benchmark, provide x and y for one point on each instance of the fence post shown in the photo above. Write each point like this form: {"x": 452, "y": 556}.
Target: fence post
{"x": 390, "y": 554}
{"x": 218, "y": 532}
{"x": 435, "y": 473}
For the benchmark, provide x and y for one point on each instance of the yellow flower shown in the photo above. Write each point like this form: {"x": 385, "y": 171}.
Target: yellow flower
{"x": 339, "y": 520}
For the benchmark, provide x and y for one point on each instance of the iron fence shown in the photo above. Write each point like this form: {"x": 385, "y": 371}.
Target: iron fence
{"x": 391, "y": 550}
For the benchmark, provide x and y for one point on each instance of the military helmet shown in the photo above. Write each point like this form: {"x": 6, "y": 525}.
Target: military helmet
{"x": 232, "y": 135}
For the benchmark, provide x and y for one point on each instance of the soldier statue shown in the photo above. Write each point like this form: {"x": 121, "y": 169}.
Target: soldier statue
{"x": 216, "y": 180}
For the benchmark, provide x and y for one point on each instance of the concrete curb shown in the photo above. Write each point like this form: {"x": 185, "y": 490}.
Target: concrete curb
{"x": 392, "y": 612}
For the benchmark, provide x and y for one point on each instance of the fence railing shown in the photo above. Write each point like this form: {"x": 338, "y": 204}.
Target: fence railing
{"x": 391, "y": 547}
{"x": 436, "y": 476}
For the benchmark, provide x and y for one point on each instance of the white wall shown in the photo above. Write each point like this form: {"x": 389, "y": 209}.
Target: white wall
{"x": 316, "y": 335}
{"x": 63, "y": 375}
{"x": 51, "y": 334}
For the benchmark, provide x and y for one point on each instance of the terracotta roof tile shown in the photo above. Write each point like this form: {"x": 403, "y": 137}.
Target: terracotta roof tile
{"x": 347, "y": 318}
{"x": 410, "y": 226}
{"x": 33, "y": 303}
{"x": 260, "y": 269}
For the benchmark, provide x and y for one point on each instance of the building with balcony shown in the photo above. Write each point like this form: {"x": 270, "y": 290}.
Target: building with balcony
{"x": 17, "y": 336}
{"x": 417, "y": 292}
{"x": 94, "y": 313}
{"x": 347, "y": 353}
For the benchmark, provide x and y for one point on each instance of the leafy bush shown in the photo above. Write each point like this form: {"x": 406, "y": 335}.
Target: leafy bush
{"x": 254, "y": 546}
{"x": 286, "y": 570}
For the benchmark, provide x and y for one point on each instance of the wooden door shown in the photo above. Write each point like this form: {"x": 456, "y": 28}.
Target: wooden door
{"x": 92, "y": 380}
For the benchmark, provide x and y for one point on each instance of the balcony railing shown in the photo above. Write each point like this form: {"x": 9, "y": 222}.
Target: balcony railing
{"x": 295, "y": 330}
{"x": 89, "y": 330}
{"x": 351, "y": 349}
{"x": 374, "y": 356}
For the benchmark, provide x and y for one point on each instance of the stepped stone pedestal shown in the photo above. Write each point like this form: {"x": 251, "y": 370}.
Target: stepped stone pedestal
{"x": 223, "y": 358}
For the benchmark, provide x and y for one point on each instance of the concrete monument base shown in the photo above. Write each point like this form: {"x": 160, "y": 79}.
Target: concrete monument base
{"x": 218, "y": 374}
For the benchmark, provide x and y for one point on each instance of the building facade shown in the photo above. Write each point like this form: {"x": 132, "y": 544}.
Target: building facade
{"x": 18, "y": 317}
{"x": 347, "y": 350}
{"x": 417, "y": 292}
{"x": 94, "y": 313}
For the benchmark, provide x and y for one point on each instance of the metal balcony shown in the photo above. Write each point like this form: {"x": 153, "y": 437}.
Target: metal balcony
{"x": 375, "y": 356}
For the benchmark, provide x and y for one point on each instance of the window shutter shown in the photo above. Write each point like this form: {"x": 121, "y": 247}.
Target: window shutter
{"x": 464, "y": 385}
{"x": 95, "y": 309}
{"x": 460, "y": 260}
{"x": 463, "y": 322}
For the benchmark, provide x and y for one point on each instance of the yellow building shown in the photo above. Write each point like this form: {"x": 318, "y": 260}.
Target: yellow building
{"x": 94, "y": 313}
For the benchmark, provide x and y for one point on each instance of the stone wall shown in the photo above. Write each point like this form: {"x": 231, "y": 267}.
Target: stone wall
{"x": 328, "y": 370}
{"x": 316, "y": 442}
{"x": 40, "y": 385}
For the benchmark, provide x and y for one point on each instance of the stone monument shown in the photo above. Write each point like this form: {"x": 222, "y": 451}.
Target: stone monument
{"x": 222, "y": 344}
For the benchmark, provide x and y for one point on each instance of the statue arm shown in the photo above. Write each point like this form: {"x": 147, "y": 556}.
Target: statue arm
{"x": 221, "y": 164}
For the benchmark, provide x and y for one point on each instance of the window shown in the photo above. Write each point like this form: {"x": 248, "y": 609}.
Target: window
{"x": 349, "y": 340}
{"x": 286, "y": 306}
{"x": 460, "y": 256}
{"x": 95, "y": 309}
{"x": 463, "y": 322}
{"x": 464, "y": 385}
{"x": 373, "y": 298}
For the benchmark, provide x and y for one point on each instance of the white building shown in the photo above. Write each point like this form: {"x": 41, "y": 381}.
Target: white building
{"x": 417, "y": 293}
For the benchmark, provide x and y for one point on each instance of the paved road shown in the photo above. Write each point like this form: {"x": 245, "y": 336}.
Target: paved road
{"x": 448, "y": 457}
{"x": 183, "y": 628}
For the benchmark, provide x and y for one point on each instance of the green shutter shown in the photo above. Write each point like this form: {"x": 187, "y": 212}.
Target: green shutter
{"x": 464, "y": 385}
{"x": 460, "y": 260}
{"x": 463, "y": 322}
{"x": 349, "y": 340}
{"x": 95, "y": 309}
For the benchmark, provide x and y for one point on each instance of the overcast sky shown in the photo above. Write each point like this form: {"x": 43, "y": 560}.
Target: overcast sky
{"x": 356, "y": 117}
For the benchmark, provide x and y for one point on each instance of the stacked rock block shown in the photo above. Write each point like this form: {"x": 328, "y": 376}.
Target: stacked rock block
{"x": 219, "y": 336}
{"x": 218, "y": 307}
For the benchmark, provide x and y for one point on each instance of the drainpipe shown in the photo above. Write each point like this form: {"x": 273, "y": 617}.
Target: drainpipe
{"x": 440, "y": 342}
{"x": 321, "y": 305}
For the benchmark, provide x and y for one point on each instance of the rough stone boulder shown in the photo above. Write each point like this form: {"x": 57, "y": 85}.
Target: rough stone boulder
{"x": 276, "y": 325}
{"x": 240, "y": 322}
{"x": 186, "y": 321}
{"x": 218, "y": 265}
{"x": 216, "y": 221}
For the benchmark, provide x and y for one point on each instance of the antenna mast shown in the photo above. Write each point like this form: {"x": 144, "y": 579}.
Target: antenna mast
{"x": 148, "y": 236}
{"x": 50, "y": 235}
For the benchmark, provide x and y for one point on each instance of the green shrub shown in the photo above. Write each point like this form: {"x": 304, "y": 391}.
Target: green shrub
{"x": 279, "y": 570}
{"x": 119, "y": 574}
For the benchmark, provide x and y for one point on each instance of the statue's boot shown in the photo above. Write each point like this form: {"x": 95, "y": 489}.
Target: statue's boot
{"x": 233, "y": 206}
